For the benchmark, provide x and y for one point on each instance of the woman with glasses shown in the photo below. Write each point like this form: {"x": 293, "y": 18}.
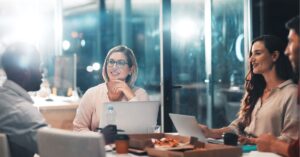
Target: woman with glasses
{"x": 269, "y": 104}
{"x": 119, "y": 73}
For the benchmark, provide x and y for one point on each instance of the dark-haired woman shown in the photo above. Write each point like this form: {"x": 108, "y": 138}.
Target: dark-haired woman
{"x": 269, "y": 104}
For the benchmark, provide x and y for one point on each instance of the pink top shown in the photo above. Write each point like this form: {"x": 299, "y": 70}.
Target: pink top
{"x": 88, "y": 112}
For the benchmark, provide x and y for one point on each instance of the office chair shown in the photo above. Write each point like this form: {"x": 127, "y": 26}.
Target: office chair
{"x": 4, "y": 147}
{"x": 62, "y": 143}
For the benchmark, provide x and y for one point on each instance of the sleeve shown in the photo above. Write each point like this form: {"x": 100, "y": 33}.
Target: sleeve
{"x": 83, "y": 117}
{"x": 26, "y": 121}
{"x": 140, "y": 95}
{"x": 290, "y": 119}
{"x": 293, "y": 149}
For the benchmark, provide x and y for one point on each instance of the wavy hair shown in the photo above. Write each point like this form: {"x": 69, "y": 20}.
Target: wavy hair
{"x": 132, "y": 63}
{"x": 255, "y": 83}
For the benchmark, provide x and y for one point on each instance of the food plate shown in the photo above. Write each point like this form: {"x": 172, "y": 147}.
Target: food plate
{"x": 171, "y": 144}
{"x": 181, "y": 146}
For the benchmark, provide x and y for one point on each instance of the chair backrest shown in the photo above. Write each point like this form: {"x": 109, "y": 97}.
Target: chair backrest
{"x": 62, "y": 143}
{"x": 4, "y": 147}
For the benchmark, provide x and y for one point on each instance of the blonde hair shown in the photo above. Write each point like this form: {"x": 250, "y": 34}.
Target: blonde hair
{"x": 130, "y": 80}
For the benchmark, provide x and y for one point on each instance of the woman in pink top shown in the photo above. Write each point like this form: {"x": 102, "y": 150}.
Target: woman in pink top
{"x": 120, "y": 73}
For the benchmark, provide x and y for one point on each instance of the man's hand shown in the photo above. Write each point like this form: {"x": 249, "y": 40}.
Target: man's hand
{"x": 264, "y": 142}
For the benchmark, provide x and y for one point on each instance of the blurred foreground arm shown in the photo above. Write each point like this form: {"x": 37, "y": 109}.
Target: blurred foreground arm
{"x": 269, "y": 143}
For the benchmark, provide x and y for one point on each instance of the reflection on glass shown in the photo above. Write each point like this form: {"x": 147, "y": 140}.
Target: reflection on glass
{"x": 227, "y": 59}
{"x": 132, "y": 23}
{"x": 188, "y": 58}
{"x": 90, "y": 33}
{"x": 29, "y": 21}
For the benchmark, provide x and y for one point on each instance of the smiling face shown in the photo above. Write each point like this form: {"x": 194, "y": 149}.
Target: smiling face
{"x": 261, "y": 60}
{"x": 117, "y": 66}
{"x": 293, "y": 49}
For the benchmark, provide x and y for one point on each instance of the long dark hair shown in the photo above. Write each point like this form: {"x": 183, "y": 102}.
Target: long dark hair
{"x": 255, "y": 83}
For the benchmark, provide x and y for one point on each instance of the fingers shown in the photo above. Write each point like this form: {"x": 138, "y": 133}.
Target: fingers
{"x": 205, "y": 130}
{"x": 117, "y": 85}
{"x": 203, "y": 127}
{"x": 254, "y": 140}
{"x": 121, "y": 86}
{"x": 243, "y": 140}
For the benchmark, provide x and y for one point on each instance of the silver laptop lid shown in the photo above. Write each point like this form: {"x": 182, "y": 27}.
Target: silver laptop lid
{"x": 187, "y": 126}
{"x": 132, "y": 117}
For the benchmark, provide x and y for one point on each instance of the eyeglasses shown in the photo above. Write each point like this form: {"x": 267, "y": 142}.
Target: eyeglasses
{"x": 118, "y": 63}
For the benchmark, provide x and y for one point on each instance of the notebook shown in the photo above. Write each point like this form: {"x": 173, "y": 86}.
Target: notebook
{"x": 187, "y": 126}
{"x": 133, "y": 117}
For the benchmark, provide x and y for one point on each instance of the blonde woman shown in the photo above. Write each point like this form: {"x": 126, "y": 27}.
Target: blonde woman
{"x": 119, "y": 73}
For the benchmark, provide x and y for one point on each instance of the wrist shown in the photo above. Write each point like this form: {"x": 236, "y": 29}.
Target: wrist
{"x": 216, "y": 133}
{"x": 279, "y": 147}
{"x": 130, "y": 96}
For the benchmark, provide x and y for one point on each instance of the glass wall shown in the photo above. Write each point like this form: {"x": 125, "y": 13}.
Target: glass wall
{"x": 208, "y": 76}
{"x": 33, "y": 22}
{"x": 207, "y": 44}
{"x": 132, "y": 23}
{"x": 80, "y": 37}
{"x": 188, "y": 58}
{"x": 208, "y": 59}
{"x": 228, "y": 59}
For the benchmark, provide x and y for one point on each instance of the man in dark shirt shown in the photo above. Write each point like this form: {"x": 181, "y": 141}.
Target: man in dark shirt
{"x": 267, "y": 142}
{"x": 19, "y": 119}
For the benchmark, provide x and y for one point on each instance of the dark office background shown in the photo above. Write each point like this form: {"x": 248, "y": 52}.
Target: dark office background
{"x": 269, "y": 16}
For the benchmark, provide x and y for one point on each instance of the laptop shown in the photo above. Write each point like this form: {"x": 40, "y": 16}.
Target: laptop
{"x": 187, "y": 126}
{"x": 132, "y": 117}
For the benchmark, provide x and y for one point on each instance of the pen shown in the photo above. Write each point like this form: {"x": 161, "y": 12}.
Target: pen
{"x": 118, "y": 130}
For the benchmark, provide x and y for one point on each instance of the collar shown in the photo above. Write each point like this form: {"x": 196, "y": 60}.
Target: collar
{"x": 285, "y": 83}
{"x": 17, "y": 89}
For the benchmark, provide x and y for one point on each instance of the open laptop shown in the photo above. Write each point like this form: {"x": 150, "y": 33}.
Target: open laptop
{"x": 187, "y": 126}
{"x": 133, "y": 117}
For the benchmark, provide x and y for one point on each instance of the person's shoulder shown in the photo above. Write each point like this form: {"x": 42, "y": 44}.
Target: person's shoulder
{"x": 26, "y": 114}
{"x": 96, "y": 89}
{"x": 4, "y": 92}
{"x": 290, "y": 87}
{"x": 288, "y": 92}
{"x": 139, "y": 89}
{"x": 9, "y": 98}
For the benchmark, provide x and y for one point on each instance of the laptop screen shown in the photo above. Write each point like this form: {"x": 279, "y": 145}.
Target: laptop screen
{"x": 132, "y": 117}
{"x": 187, "y": 126}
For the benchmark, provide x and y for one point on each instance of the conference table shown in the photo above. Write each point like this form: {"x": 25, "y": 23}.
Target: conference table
{"x": 251, "y": 154}
{"x": 247, "y": 153}
{"x": 59, "y": 112}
